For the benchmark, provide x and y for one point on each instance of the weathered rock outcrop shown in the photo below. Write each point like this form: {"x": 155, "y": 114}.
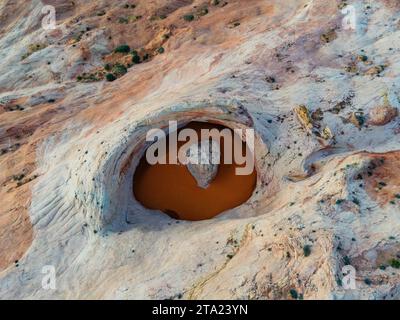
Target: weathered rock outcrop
{"x": 203, "y": 162}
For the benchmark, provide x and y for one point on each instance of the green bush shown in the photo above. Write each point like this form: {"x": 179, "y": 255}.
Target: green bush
{"x": 188, "y": 17}
{"x": 135, "y": 59}
{"x": 203, "y": 12}
{"x": 161, "y": 50}
{"x": 119, "y": 69}
{"x": 293, "y": 294}
{"x": 110, "y": 77}
{"x": 394, "y": 263}
{"x": 346, "y": 260}
{"x": 123, "y": 48}
{"x": 307, "y": 250}
{"x": 123, "y": 20}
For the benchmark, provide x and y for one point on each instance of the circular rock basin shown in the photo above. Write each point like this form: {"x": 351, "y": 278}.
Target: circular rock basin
{"x": 172, "y": 189}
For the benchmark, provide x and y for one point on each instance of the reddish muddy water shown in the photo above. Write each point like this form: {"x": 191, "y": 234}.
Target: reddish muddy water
{"x": 172, "y": 189}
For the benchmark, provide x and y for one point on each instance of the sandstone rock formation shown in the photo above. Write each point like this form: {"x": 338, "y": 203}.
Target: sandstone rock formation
{"x": 76, "y": 103}
{"x": 381, "y": 115}
{"x": 203, "y": 162}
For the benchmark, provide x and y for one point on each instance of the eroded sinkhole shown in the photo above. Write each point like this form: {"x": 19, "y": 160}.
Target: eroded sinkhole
{"x": 173, "y": 188}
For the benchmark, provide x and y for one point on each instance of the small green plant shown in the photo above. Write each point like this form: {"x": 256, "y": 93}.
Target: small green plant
{"x": 123, "y": 48}
{"x": 307, "y": 250}
{"x": 346, "y": 260}
{"x": 161, "y": 50}
{"x": 123, "y": 20}
{"x": 18, "y": 177}
{"x": 394, "y": 263}
{"x": 89, "y": 77}
{"x": 360, "y": 118}
{"x": 203, "y": 12}
{"x": 34, "y": 48}
{"x": 110, "y": 77}
{"x": 294, "y": 294}
{"x": 188, "y": 17}
{"x": 362, "y": 57}
{"x": 119, "y": 69}
{"x": 107, "y": 67}
{"x": 135, "y": 58}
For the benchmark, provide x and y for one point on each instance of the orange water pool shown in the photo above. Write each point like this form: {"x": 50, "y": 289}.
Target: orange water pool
{"x": 172, "y": 189}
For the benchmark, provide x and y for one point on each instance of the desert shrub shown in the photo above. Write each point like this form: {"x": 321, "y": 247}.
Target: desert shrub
{"x": 119, "y": 69}
{"x": 307, "y": 250}
{"x": 123, "y": 20}
{"x": 123, "y": 48}
{"x": 293, "y": 294}
{"x": 136, "y": 59}
{"x": 161, "y": 50}
{"x": 110, "y": 77}
{"x": 18, "y": 177}
{"x": 107, "y": 67}
{"x": 394, "y": 263}
{"x": 34, "y": 48}
{"x": 90, "y": 77}
{"x": 346, "y": 260}
{"x": 339, "y": 202}
{"x": 188, "y": 17}
{"x": 203, "y": 12}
